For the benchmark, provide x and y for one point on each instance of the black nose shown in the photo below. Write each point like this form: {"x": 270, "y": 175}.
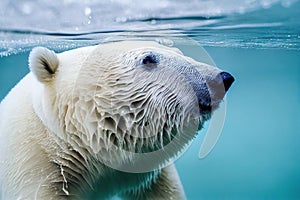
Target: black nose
{"x": 227, "y": 80}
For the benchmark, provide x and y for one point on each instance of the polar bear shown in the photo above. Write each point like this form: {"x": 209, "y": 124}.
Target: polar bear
{"x": 104, "y": 120}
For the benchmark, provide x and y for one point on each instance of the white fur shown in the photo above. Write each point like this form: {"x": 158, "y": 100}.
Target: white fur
{"x": 55, "y": 132}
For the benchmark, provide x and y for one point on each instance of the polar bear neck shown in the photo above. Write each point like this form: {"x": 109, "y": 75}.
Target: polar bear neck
{"x": 77, "y": 173}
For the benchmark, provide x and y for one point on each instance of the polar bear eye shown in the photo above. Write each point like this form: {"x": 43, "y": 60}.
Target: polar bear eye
{"x": 149, "y": 60}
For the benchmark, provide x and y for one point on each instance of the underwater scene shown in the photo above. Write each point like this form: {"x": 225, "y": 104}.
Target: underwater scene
{"x": 255, "y": 155}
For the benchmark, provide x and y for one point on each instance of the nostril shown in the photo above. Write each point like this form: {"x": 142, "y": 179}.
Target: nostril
{"x": 227, "y": 80}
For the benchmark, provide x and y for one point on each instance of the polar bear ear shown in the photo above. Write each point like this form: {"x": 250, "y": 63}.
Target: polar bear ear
{"x": 43, "y": 63}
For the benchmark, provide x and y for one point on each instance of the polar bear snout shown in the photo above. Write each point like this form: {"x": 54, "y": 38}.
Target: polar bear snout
{"x": 211, "y": 89}
{"x": 227, "y": 80}
{"x": 217, "y": 88}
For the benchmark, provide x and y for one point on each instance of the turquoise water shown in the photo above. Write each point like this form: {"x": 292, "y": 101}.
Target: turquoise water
{"x": 257, "y": 155}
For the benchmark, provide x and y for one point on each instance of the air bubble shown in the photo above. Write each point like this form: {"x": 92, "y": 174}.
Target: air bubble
{"x": 87, "y": 11}
{"x": 166, "y": 42}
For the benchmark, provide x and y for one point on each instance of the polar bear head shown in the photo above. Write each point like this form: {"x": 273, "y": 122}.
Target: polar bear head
{"x": 120, "y": 97}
